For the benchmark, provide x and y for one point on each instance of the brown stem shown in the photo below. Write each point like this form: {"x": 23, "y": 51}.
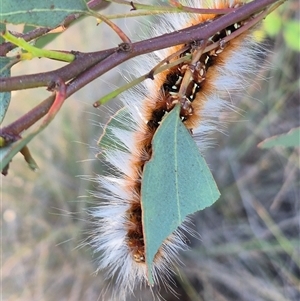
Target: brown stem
{"x": 82, "y": 62}
{"x": 194, "y": 33}
{"x": 197, "y": 32}
{"x": 114, "y": 27}
{"x": 12, "y": 132}
{"x": 184, "y": 36}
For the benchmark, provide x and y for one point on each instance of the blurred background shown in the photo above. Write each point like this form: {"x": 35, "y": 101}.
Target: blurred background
{"x": 249, "y": 247}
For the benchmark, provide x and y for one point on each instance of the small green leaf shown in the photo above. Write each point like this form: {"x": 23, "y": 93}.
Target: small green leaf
{"x": 108, "y": 141}
{"x": 176, "y": 182}
{"x": 4, "y": 96}
{"x": 39, "y": 13}
{"x": 290, "y": 139}
{"x": 291, "y": 34}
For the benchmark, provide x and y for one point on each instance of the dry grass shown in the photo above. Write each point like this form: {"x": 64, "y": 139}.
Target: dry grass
{"x": 250, "y": 246}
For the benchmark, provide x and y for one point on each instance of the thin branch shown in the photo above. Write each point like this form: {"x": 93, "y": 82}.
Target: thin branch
{"x": 82, "y": 62}
{"x": 157, "y": 69}
{"x": 12, "y": 132}
{"x": 195, "y": 33}
{"x": 187, "y": 35}
{"x": 113, "y": 26}
{"x": 175, "y": 8}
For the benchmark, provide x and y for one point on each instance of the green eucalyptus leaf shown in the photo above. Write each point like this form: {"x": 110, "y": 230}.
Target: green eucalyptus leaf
{"x": 290, "y": 139}
{"x": 4, "y": 96}
{"x": 176, "y": 182}
{"x": 39, "y": 13}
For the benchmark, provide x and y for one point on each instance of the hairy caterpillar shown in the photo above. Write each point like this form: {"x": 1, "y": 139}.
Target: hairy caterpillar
{"x": 119, "y": 235}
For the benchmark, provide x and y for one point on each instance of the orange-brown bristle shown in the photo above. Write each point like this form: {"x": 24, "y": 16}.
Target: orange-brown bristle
{"x": 135, "y": 233}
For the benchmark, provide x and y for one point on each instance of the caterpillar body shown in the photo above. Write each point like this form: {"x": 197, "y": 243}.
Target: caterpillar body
{"x": 119, "y": 236}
